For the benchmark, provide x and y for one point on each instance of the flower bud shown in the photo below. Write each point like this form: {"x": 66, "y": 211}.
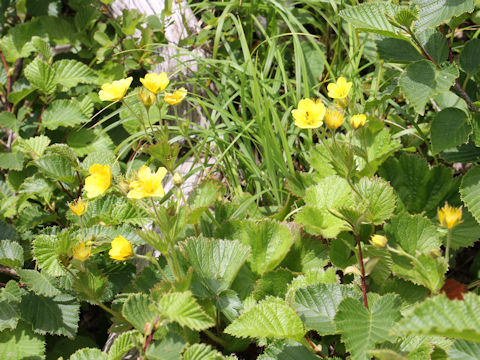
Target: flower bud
{"x": 357, "y": 121}
{"x": 177, "y": 179}
{"x": 146, "y": 97}
{"x": 378, "y": 241}
{"x": 334, "y": 118}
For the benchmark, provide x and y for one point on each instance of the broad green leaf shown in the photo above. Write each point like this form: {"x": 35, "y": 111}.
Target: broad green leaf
{"x": 331, "y": 193}
{"x": 273, "y": 283}
{"x": 317, "y": 305}
{"x": 57, "y": 316}
{"x": 169, "y": 348}
{"x": 271, "y": 318}
{"x": 229, "y": 303}
{"x": 57, "y": 167}
{"x": 89, "y": 354}
{"x": 65, "y": 151}
{"x": 35, "y": 145}
{"x": 42, "y": 47}
{"x": 421, "y": 80}
{"x": 85, "y": 17}
{"x": 11, "y": 254}
{"x": 39, "y": 283}
{"x": 215, "y": 262}
{"x": 269, "y": 241}
{"x": 41, "y": 76}
{"x": 435, "y": 44}
{"x": 456, "y": 319}
{"x": 21, "y": 343}
{"x": 379, "y": 198}
{"x": 45, "y": 253}
{"x": 287, "y": 350}
{"x": 464, "y": 350}
{"x": 88, "y": 141}
{"x": 64, "y": 113}
{"x": 423, "y": 352}
{"x": 183, "y": 309}
{"x": 137, "y": 310}
{"x": 362, "y": 328}
{"x": 90, "y": 286}
{"x": 9, "y": 313}
{"x": 9, "y": 121}
{"x": 11, "y": 292}
{"x": 16, "y": 96}
{"x": 372, "y": 17}
{"x": 396, "y": 50}
{"x": 202, "y": 197}
{"x": 450, "y": 128}
{"x": 122, "y": 344}
{"x": 201, "y": 352}
{"x": 305, "y": 254}
{"x": 17, "y": 44}
{"x": 70, "y": 73}
{"x": 342, "y": 251}
{"x": 470, "y": 191}
{"x": 11, "y": 161}
{"x": 311, "y": 277}
{"x": 436, "y": 12}
{"x": 470, "y": 57}
{"x": 465, "y": 233}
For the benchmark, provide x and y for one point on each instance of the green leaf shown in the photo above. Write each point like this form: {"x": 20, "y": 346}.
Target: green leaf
{"x": 436, "y": 12}
{"x": 379, "y": 197}
{"x": 396, "y": 50}
{"x": 372, "y": 17}
{"x": 21, "y": 343}
{"x": 470, "y": 57}
{"x": 90, "y": 286}
{"x": 63, "y": 113}
{"x": 9, "y": 312}
{"x": 183, "y": 309}
{"x": 41, "y": 75}
{"x": 273, "y": 283}
{"x": 122, "y": 344}
{"x": 169, "y": 348}
{"x": 342, "y": 251}
{"x": 470, "y": 191}
{"x": 271, "y": 318}
{"x": 39, "y": 283}
{"x": 111, "y": 210}
{"x": 35, "y": 145}
{"x": 89, "y": 354}
{"x": 43, "y": 47}
{"x": 11, "y": 254}
{"x": 435, "y": 44}
{"x": 57, "y": 316}
{"x": 17, "y": 44}
{"x": 465, "y": 233}
{"x": 464, "y": 350}
{"x": 317, "y": 305}
{"x": 11, "y": 161}
{"x": 269, "y": 241}
{"x": 287, "y": 350}
{"x": 450, "y": 128}
{"x": 305, "y": 254}
{"x": 66, "y": 152}
{"x": 215, "y": 262}
{"x": 137, "y": 310}
{"x": 202, "y": 197}
{"x": 56, "y": 167}
{"x": 421, "y": 80}
{"x": 45, "y": 253}
{"x": 8, "y": 120}
{"x": 311, "y": 277}
{"x": 362, "y": 328}
{"x": 201, "y": 352}
{"x": 455, "y": 319}
{"x": 70, "y": 73}
{"x": 331, "y": 193}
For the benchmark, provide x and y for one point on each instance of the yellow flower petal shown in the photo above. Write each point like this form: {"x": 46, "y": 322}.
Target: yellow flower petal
{"x": 175, "y": 98}
{"x": 148, "y": 184}
{"x": 358, "y": 120}
{"x": 340, "y": 89}
{"x": 155, "y": 82}
{"x": 115, "y": 90}
{"x": 121, "y": 249}
{"x": 334, "y": 118}
{"x": 450, "y": 216}
{"x": 99, "y": 180}
{"x": 78, "y": 206}
{"x": 309, "y": 114}
{"x": 81, "y": 251}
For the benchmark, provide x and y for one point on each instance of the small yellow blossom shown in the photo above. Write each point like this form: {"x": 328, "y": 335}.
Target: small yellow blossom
{"x": 450, "y": 216}
{"x": 78, "y": 206}
{"x": 176, "y": 97}
{"x": 155, "y": 82}
{"x": 148, "y": 184}
{"x": 115, "y": 90}
{"x": 309, "y": 113}
{"x": 340, "y": 89}
{"x": 334, "y": 118}
{"x": 378, "y": 241}
{"x": 146, "y": 97}
{"x": 81, "y": 251}
{"x": 357, "y": 121}
{"x": 121, "y": 249}
{"x": 99, "y": 180}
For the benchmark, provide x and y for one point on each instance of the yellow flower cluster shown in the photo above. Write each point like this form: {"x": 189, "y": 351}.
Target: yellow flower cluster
{"x": 153, "y": 82}
{"x": 78, "y": 206}
{"x": 450, "y": 216}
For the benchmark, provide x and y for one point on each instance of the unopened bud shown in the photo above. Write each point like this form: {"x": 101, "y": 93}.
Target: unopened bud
{"x": 177, "y": 179}
{"x": 378, "y": 241}
{"x": 148, "y": 328}
{"x": 146, "y": 97}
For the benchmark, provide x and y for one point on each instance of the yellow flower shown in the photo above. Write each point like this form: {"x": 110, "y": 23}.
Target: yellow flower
{"x": 115, "y": 90}
{"x": 148, "y": 184}
{"x": 309, "y": 113}
{"x": 81, "y": 251}
{"x": 378, "y": 241}
{"x": 78, "y": 206}
{"x": 155, "y": 82}
{"x": 146, "y": 97}
{"x": 340, "y": 89}
{"x": 99, "y": 180}
{"x": 358, "y": 120}
{"x": 334, "y": 118}
{"x": 121, "y": 249}
{"x": 450, "y": 216}
{"x": 177, "y": 96}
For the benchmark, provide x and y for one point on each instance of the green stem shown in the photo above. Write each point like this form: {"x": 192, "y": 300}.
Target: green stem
{"x": 215, "y": 338}
{"x": 154, "y": 262}
{"x": 187, "y": 137}
{"x": 141, "y": 121}
{"x": 110, "y": 311}
{"x": 447, "y": 249}
{"x": 424, "y": 138}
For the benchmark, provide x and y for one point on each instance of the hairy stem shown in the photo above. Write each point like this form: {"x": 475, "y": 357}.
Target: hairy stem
{"x": 362, "y": 268}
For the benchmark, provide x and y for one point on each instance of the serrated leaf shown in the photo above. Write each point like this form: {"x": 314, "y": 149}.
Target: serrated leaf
{"x": 169, "y": 348}
{"x": 11, "y": 254}
{"x": 58, "y": 315}
{"x": 202, "y": 197}
{"x": 287, "y": 350}
{"x": 436, "y": 12}
{"x": 464, "y": 350}
{"x": 21, "y": 343}
{"x": 17, "y": 44}
{"x": 306, "y": 253}
{"x": 421, "y": 80}
{"x": 465, "y": 233}
{"x": 11, "y": 161}
{"x": 470, "y": 57}
{"x": 41, "y": 76}
{"x": 66, "y": 152}
{"x": 183, "y": 309}
{"x": 39, "y": 283}
{"x": 311, "y": 277}
{"x": 90, "y": 286}
{"x": 35, "y": 145}
{"x": 273, "y": 283}
{"x": 89, "y": 354}
{"x": 379, "y": 198}
{"x": 122, "y": 344}
{"x": 112, "y": 210}
{"x": 362, "y": 328}
{"x": 215, "y": 262}
{"x": 317, "y": 305}
{"x": 269, "y": 241}
{"x": 201, "y": 352}
{"x": 42, "y": 46}
{"x": 56, "y": 167}
{"x": 9, "y": 314}
{"x": 271, "y": 318}
{"x": 70, "y": 73}
{"x": 88, "y": 141}
{"x": 9, "y": 121}
{"x": 470, "y": 191}
{"x": 450, "y": 128}
{"x": 45, "y": 253}
{"x": 64, "y": 113}
{"x": 443, "y": 317}
{"x": 137, "y": 310}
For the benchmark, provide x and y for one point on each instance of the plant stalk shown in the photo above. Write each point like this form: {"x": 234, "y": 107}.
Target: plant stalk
{"x": 362, "y": 268}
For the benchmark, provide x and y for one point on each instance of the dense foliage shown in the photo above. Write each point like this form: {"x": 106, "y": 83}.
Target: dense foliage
{"x": 338, "y": 208}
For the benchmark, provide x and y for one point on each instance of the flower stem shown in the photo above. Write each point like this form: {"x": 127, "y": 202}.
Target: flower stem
{"x": 141, "y": 121}
{"x": 362, "y": 268}
{"x": 447, "y": 248}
